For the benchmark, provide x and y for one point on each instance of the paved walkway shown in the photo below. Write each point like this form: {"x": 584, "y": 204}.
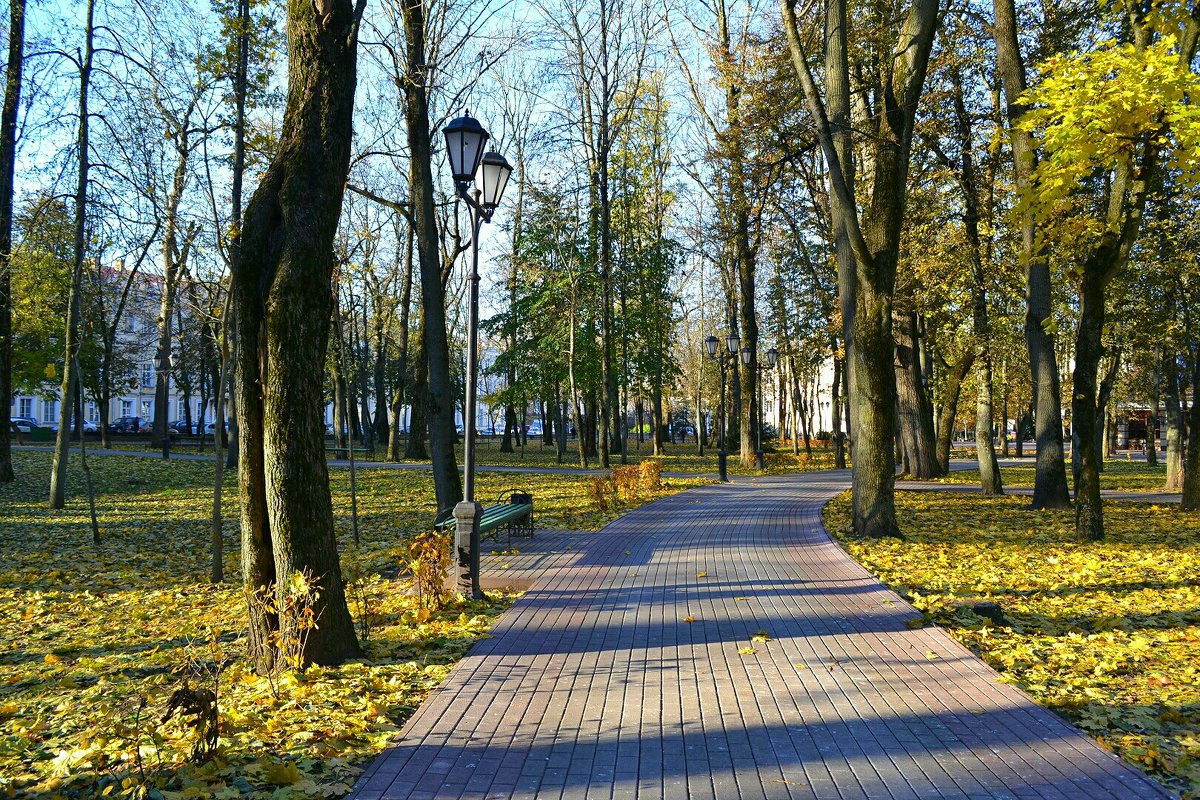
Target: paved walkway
{"x": 628, "y": 671}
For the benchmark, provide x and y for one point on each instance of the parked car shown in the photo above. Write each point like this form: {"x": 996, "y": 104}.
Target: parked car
{"x": 126, "y": 425}
{"x": 534, "y": 428}
{"x": 25, "y": 424}
{"x": 181, "y": 426}
{"x": 90, "y": 427}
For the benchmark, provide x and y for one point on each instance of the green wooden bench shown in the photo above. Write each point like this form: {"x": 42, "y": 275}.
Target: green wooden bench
{"x": 512, "y": 512}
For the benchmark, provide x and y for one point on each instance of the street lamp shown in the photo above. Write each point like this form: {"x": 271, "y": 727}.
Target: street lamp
{"x": 723, "y": 360}
{"x": 465, "y": 140}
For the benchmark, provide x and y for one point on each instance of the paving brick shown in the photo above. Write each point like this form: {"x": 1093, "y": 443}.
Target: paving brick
{"x": 594, "y": 686}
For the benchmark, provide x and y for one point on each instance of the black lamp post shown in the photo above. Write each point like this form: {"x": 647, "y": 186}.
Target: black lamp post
{"x": 723, "y": 359}
{"x": 489, "y": 172}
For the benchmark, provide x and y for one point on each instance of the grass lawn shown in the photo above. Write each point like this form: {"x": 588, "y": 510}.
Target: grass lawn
{"x": 1118, "y": 474}
{"x": 679, "y": 457}
{"x": 96, "y": 638}
{"x": 1107, "y": 634}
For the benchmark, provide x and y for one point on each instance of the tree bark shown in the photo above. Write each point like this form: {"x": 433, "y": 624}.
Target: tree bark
{"x": 1191, "y": 470}
{"x": 70, "y": 380}
{"x": 1174, "y": 434}
{"x": 394, "y": 453}
{"x": 1050, "y": 482}
{"x": 283, "y": 294}
{"x": 951, "y": 394}
{"x": 872, "y": 243}
{"x": 1089, "y": 513}
{"x": 916, "y": 411}
{"x": 439, "y": 395}
{"x": 8, "y": 140}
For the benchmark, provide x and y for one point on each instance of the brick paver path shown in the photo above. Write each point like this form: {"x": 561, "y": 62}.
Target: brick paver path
{"x": 627, "y": 671}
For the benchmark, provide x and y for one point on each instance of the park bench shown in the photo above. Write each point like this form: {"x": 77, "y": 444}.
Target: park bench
{"x": 513, "y": 512}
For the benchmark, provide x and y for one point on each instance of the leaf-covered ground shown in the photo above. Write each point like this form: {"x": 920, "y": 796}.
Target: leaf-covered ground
{"x": 1107, "y": 634}
{"x": 679, "y": 458}
{"x": 96, "y": 639}
{"x": 1119, "y": 474}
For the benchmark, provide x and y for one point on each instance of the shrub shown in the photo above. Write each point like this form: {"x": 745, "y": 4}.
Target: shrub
{"x": 599, "y": 489}
{"x": 651, "y": 475}
{"x": 627, "y": 482}
{"x": 428, "y": 562}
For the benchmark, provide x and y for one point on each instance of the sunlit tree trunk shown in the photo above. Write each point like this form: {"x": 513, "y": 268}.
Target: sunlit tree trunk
{"x": 70, "y": 381}
{"x": 283, "y": 294}
{"x": 1050, "y": 482}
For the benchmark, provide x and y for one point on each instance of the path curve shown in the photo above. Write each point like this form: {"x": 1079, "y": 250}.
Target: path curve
{"x": 595, "y": 684}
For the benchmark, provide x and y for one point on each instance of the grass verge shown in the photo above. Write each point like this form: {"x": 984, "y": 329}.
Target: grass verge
{"x": 97, "y": 638}
{"x": 1118, "y": 474}
{"x": 1106, "y": 634}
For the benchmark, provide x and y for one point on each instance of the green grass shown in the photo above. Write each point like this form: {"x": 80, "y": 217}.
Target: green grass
{"x": 1118, "y": 474}
{"x": 1106, "y": 633}
{"x": 97, "y": 637}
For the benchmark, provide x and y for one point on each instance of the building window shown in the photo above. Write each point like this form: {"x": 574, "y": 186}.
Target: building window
{"x": 181, "y": 409}
{"x": 126, "y": 408}
{"x": 25, "y": 407}
{"x": 93, "y": 413}
{"x": 49, "y": 410}
{"x": 147, "y": 375}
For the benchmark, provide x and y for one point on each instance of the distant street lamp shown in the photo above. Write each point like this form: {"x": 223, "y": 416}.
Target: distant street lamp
{"x": 465, "y": 139}
{"x": 723, "y": 359}
{"x": 772, "y": 357}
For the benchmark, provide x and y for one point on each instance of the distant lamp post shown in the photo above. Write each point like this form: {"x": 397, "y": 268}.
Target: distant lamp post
{"x": 724, "y": 360}
{"x": 489, "y": 172}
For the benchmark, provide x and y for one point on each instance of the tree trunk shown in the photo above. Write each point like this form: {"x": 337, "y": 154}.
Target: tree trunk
{"x": 1152, "y": 429}
{"x": 1174, "y": 426}
{"x": 952, "y": 392}
{"x": 439, "y": 395}
{"x": 8, "y": 139}
{"x": 283, "y": 294}
{"x": 1191, "y": 470}
{"x": 394, "y": 453}
{"x": 1089, "y": 513}
{"x": 70, "y": 381}
{"x": 916, "y": 412}
{"x": 1050, "y": 482}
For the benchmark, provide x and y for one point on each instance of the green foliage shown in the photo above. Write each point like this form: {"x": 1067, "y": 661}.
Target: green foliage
{"x": 1105, "y": 633}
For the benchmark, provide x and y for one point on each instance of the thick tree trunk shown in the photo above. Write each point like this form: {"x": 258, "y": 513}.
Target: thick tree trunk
{"x": 916, "y": 411}
{"x": 1050, "y": 482}
{"x": 8, "y": 139}
{"x": 951, "y": 394}
{"x": 284, "y": 299}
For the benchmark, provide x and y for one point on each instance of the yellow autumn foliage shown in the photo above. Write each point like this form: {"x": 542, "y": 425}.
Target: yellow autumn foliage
{"x": 1105, "y": 633}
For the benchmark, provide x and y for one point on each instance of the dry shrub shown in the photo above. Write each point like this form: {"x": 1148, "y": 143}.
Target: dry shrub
{"x": 428, "y": 562}
{"x": 627, "y": 482}
{"x": 651, "y": 475}
{"x": 600, "y": 489}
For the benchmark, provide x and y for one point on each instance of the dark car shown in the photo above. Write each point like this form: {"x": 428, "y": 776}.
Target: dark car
{"x": 181, "y": 426}
{"x": 126, "y": 425}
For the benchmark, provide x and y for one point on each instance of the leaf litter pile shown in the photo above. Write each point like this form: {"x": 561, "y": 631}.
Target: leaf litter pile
{"x": 107, "y": 653}
{"x": 1106, "y": 633}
